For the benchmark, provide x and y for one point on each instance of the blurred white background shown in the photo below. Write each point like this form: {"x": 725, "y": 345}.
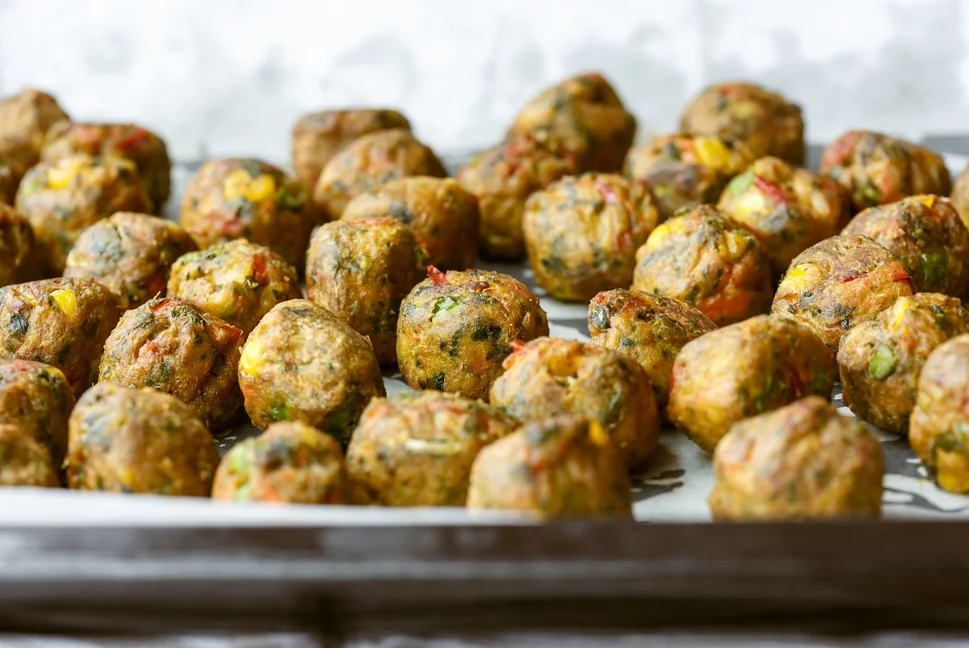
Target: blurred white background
{"x": 224, "y": 77}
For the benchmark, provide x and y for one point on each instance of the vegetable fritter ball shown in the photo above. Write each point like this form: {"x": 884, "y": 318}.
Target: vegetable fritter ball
{"x": 28, "y": 115}
{"x": 17, "y": 155}
{"x": 960, "y": 195}
{"x": 582, "y": 233}
{"x": 25, "y": 462}
{"x": 455, "y": 329}
{"x": 801, "y": 462}
{"x": 746, "y": 369}
{"x": 416, "y": 449}
{"x": 18, "y": 249}
{"x": 37, "y": 399}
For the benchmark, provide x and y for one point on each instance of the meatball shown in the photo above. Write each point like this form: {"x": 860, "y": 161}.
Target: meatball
{"x": 318, "y": 136}
{"x": 28, "y": 115}
{"x": 582, "y": 233}
{"x": 552, "y": 375}
{"x": 360, "y": 271}
{"x": 142, "y": 147}
{"x": 167, "y": 344}
{"x": 17, "y": 155}
{"x": 25, "y": 461}
{"x": 242, "y": 198}
{"x": 880, "y": 358}
{"x": 238, "y": 281}
{"x": 554, "y": 468}
{"x": 765, "y": 121}
{"x": 61, "y": 322}
{"x": 746, "y": 369}
{"x": 587, "y": 114}
{"x": 455, "y": 329}
{"x": 927, "y": 235}
{"x": 685, "y": 171}
{"x": 18, "y": 250}
{"x": 302, "y": 363}
{"x": 839, "y": 282}
{"x": 800, "y": 462}
{"x": 416, "y": 449}
{"x": 370, "y": 161}
{"x": 877, "y": 169}
{"x": 138, "y": 441}
{"x": 649, "y": 328}
{"x": 442, "y": 214}
{"x": 708, "y": 261}
{"x": 960, "y": 195}
{"x": 61, "y": 198}
{"x": 786, "y": 208}
{"x": 503, "y": 178}
{"x": 36, "y": 399}
{"x": 130, "y": 254}
{"x": 290, "y": 463}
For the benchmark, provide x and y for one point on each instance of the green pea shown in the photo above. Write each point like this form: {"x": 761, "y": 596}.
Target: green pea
{"x": 934, "y": 262}
{"x": 882, "y": 363}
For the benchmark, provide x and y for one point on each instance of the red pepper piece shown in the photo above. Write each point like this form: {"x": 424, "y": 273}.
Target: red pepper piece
{"x": 436, "y": 276}
{"x": 794, "y": 380}
{"x": 608, "y": 193}
{"x": 770, "y": 189}
{"x": 160, "y": 305}
{"x": 134, "y": 140}
{"x": 625, "y": 240}
{"x": 259, "y": 269}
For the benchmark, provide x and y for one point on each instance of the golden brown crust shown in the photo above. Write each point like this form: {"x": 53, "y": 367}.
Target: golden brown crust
{"x": 28, "y": 115}
{"x": 37, "y": 399}
{"x": 18, "y": 249}
{"x": 25, "y": 461}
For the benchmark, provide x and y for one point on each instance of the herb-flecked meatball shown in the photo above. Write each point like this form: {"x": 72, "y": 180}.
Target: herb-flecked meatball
{"x": 17, "y": 155}
{"x": 503, "y": 177}
{"x": 318, "y": 136}
{"x": 765, "y": 121}
{"x": 138, "y": 441}
{"x": 564, "y": 376}
{"x": 416, "y": 449}
{"x": 685, "y": 171}
{"x": 360, "y": 271}
{"x": 237, "y": 281}
{"x": 130, "y": 254}
{"x": 128, "y": 141}
{"x": 24, "y": 461}
{"x": 708, "y": 261}
{"x": 289, "y": 463}
{"x": 582, "y": 233}
{"x": 880, "y": 358}
{"x": 841, "y": 281}
{"x": 877, "y": 169}
{"x": 927, "y": 235}
{"x": 558, "y": 467}
{"x": 28, "y": 115}
{"x": 370, "y": 161}
{"x": 442, "y": 214}
{"x": 303, "y": 363}
{"x": 746, "y": 369}
{"x": 786, "y": 208}
{"x": 37, "y": 399}
{"x": 243, "y": 198}
{"x": 167, "y": 344}
{"x": 60, "y": 322}
{"x": 649, "y": 328}
{"x": 18, "y": 249}
{"x": 61, "y": 198}
{"x": 456, "y": 328}
{"x": 803, "y": 461}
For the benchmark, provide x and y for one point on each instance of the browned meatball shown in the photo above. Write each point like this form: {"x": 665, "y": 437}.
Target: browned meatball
{"x": 708, "y": 261}
{"x": 960, "y": 195}
{"x": 37, "y": 399}
{"x": 786, "y": 208}
{"x": 169, "y": 345}
{"x": 927, "y": 235}
{"x": 877, "y": 169}
{"x": 61, "y": 322}
{"x": 503, "y": 178}
{"x": 765, "y": 121}
{"x": 455, "y": 329}
{"x": 61, "y": 198}
{"x": 416, "y": 449}
{"x": 649, "y": 328}
{"x": 28, "y": 115}
{"x": 131, "y": 254}
{"x": 243, "y": 198}
{"x": 17, "y": 155}
{"x": 370, "y": 161}
{"x": 554, "y": 468}
{"x": 18, "y": 250}
{"x": 443, "y": 216}
{"x": 746, "y": 369}
{"x": 800, "y": 462}
{"x": 587, "y": 114}
{"x": 552, "y": 375}
{"x": 839, "y": 282}
{"x": 138, "y": 441}
{"x": 582, "y": 233}
{"x": 360, "y": 271}
{"x": 880, "y": 359}
{"x": 25, "y": 461}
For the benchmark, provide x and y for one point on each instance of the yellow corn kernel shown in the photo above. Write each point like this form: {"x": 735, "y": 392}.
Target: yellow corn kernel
{"x": 60, "y": 175}
{"x": 66, "y": 300}
{"x": 801, "y": 277}
{"x": 902, "y": 305}
{"x": 928, "y": 201}
{"x": 597, "y": 433}
{"x": 711, "y": 152}
{"x": 236, "y": 184}
{"x": 251, "y": 357}
{"x": 261, "y": 188}
{"x": 660, "y": 234}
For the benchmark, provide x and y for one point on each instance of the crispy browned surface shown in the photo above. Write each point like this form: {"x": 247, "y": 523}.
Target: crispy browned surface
{"x": 800, "y": 462}
{"x": 37, "y": 399}
{"x": 28, "y": 115}
{"x": 24, "y": 461}
{"x": 18, "y": 249}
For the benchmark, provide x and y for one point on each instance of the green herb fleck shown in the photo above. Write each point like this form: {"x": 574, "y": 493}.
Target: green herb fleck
{"x": 739, "y": 185}
{"x": 882, "y": 363}
{"x": 443, "y": 305}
